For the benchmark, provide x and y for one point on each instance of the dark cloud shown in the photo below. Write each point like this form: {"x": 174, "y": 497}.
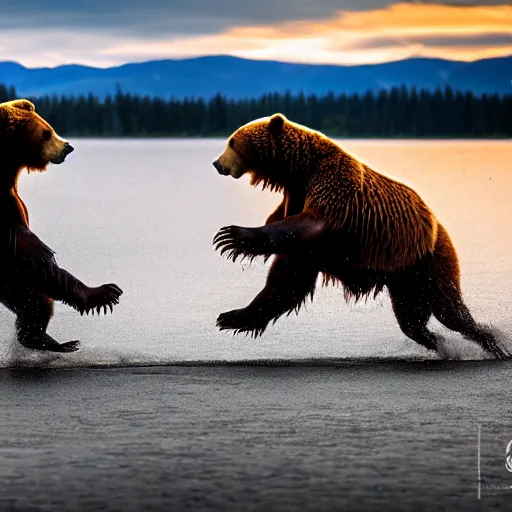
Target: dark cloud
{"x": 163, "y": 18}
{"x": 466, "y": 41}
{"x": 110, "y": 32}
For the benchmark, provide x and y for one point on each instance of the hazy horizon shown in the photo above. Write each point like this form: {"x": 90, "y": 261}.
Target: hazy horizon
{"x": 214, "y": 55}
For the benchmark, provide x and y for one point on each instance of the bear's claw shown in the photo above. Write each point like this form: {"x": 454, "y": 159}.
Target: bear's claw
{"x": 236, "y": 241}
{"x": 102, "y": 297}
{"x": 239, "y": 321}
{"x": 69, "y": 346}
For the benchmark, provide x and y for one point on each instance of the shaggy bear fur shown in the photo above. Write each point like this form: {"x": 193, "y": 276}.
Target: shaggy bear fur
{"x": 30, "y": 279}
{"x": 346, "y": 221}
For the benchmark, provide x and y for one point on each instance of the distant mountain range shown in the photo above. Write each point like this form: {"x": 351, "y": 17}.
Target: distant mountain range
{"x": 242, "y": 78}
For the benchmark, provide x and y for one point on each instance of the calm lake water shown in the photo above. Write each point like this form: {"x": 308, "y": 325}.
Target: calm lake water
{"x": 142, "y": 214}
{"x": 382, "y": 424}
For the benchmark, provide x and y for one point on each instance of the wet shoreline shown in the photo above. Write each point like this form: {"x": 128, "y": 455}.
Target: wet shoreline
{"x": 351, "y": 436}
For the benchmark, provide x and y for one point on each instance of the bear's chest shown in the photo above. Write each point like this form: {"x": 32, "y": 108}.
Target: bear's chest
{"x": 13, "y": 211}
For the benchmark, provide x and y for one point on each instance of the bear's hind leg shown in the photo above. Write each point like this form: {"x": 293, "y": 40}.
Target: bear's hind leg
{"x": 34, "y": 311}
{"x": 448, "y": 305}
{"x": 454, "y": 314}
{"x": 413, "y": 308}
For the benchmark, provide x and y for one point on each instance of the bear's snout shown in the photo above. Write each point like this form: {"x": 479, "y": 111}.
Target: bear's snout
{"x": 220, "y": 168}
{"x": 66, "y": 150}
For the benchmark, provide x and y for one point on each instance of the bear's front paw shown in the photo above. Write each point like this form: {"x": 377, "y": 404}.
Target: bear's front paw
{"x": 241, "y": 320}
{"x": 236, "y": 241}
{"x": 104, "y": 296}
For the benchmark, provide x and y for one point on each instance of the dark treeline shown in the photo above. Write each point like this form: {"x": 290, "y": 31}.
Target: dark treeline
{"x": 399, "y": 112}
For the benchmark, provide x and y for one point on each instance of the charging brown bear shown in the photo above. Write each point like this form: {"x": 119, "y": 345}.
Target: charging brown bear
{"x": 340, "y": 218}
{"x": 30, "y": 279}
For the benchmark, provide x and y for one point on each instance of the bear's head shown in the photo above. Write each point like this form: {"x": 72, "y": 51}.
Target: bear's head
{"x": 273, "y": 150}
{"x": 27, "y": 140}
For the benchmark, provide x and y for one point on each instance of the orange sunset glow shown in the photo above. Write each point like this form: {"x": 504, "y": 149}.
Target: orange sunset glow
{"x": 310, "y": 31}
{"x": 351, "y": 37}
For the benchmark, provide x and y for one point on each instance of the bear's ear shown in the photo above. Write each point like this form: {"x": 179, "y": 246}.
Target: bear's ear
{"x": 23, "y": 105}
{"x": 276, "y": 124}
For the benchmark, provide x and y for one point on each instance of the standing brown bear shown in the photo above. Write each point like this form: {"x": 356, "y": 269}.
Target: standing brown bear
{"x": 30, "y": 279}
{"x": 340, "y": 218}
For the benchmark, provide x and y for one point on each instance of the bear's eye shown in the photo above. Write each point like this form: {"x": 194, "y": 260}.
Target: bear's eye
{"x": 231, "y": 142}
{"x": 47, "y": 134}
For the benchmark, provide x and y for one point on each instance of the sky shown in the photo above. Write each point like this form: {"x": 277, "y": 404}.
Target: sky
{"x": 112, "y": 32}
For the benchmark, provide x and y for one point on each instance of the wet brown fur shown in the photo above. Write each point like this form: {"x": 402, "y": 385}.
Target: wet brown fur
{"x": 375, "y": 232}
{"x": 388, "y": 224}
{"x": 30, "y": 279}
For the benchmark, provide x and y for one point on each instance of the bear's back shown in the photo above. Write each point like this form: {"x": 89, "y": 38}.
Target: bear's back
{"x": 388, "y": 223}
